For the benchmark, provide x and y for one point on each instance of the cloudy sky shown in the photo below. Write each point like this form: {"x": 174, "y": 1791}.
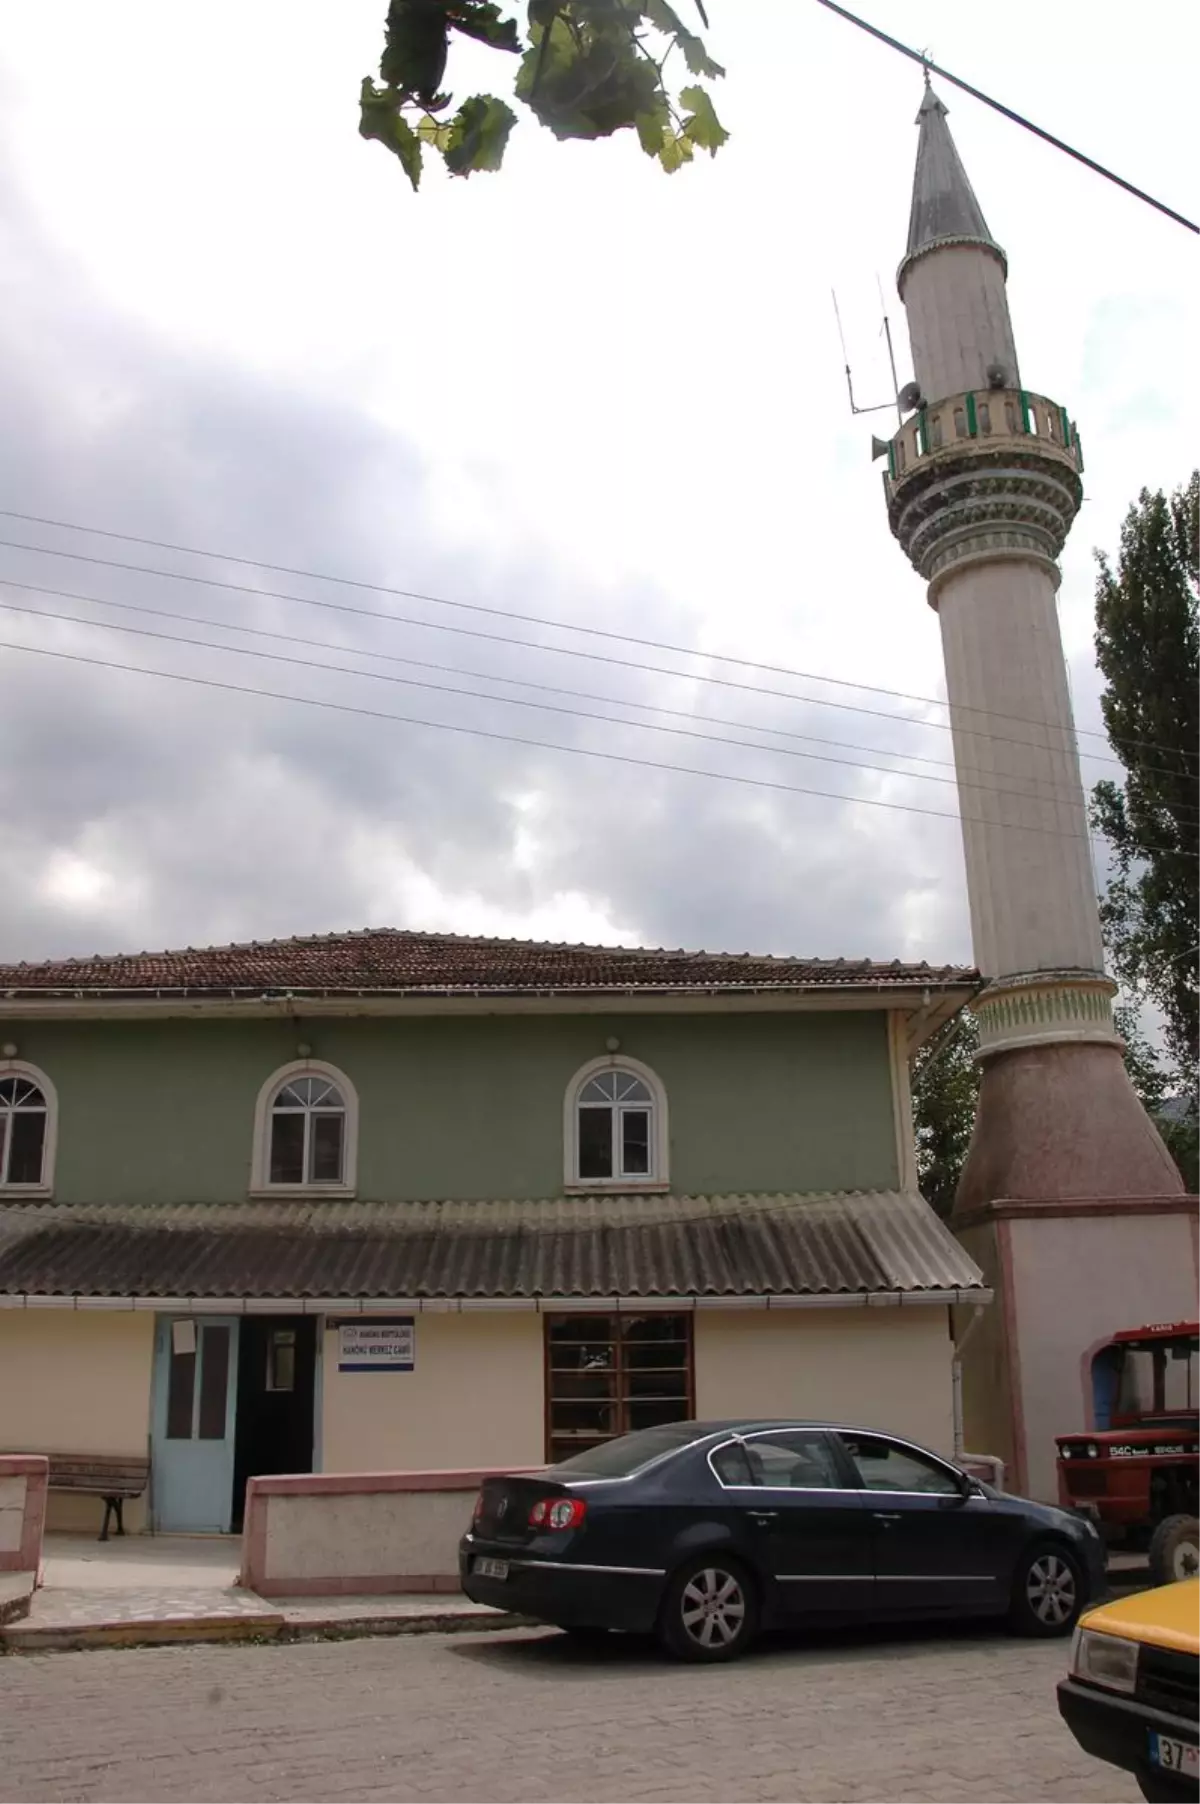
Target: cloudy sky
{"x": 579, "y": 390}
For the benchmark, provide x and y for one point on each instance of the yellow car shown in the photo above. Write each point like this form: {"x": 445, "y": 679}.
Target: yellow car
{"x": 1131, "y": 1697}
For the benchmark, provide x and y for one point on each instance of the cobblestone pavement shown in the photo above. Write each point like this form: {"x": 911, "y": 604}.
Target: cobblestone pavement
{"x": 506, "y": 1717}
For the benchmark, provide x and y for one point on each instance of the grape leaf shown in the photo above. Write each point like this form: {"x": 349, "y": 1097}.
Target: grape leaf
{"x": 666, "y": 19}
{"x": 481, "y": 20}
{"x": 702, "y": 127}
{"x": 380, "y": 117}
{"x": 478, "y": 135}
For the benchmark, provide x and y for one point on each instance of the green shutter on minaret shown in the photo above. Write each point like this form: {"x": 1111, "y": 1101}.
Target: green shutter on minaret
{"x": 972, "y": 420}
{"x": 923, "y": 432}
{"x": 1026, "y": 425}
{"x": 1065, "y": 423}
{"x": 892, "y": 459}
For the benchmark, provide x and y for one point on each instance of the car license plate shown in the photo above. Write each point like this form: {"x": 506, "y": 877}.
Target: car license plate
{"x": 1174, "y": 1756}
{"x": 493, "y": 1569}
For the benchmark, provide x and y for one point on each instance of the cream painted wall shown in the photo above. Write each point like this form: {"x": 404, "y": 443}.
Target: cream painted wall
{"x": 987, "y": 1392}
{"x": 958, "y": 320}
{"x": 473, "y": 1399}
{"x": 76, "y": 1382}
{"x": 1029, "y": 863}
{"x": 881, "y": 1368}
{"x": 1076, "y": 1282}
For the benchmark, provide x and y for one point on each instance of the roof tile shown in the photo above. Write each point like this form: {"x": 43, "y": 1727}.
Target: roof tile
{"x": 392, "y": 961}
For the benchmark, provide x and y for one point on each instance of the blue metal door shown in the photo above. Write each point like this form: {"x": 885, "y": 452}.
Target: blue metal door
{"x": 195, "y": 1397}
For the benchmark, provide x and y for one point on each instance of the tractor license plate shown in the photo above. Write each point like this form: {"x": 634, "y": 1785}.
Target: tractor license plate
{"x": 1174, "y": 1756}
{"x": 493, "y": 1569}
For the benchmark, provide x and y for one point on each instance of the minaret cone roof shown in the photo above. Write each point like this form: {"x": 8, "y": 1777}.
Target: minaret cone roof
{"x": 944, "y": 206}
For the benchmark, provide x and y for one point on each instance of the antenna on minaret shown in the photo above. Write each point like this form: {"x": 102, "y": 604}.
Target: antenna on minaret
{"x": 887, "y": 333}
{"x": 883, "y": 406}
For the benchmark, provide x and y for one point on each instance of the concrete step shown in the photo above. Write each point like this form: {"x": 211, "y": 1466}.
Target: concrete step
{"x": 62, "y": 1619}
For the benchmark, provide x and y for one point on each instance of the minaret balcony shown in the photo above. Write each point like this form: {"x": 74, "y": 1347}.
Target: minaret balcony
{"x": 990, "y": 473}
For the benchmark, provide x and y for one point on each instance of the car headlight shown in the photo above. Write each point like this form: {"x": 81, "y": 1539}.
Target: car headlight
{"x": 1105, "y": 1660}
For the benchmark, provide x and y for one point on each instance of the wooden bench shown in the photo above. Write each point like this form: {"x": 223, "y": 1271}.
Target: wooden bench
{"x": 101, "y": 1475}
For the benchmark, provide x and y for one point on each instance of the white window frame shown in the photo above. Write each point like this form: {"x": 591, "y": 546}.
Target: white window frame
{"x": 33, "y": 1074}
{"x": 260, "y": 1181}
{"x": 659, "y": 1176}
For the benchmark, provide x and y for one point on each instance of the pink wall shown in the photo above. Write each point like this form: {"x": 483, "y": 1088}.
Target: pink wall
{"x": 24, "y": 1481}
{"x": 1074, "y": 1282}
{"x": 330, "y": 1534}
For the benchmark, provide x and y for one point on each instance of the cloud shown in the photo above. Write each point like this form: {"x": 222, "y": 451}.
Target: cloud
{"x": 257, "y": 343}
{"x": 138, "y": 812}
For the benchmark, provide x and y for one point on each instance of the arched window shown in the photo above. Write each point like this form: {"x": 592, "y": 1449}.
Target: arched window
{"x": 27, "y": 1123}
{"x": 306, "y": 1130}
{"x": 616, "y": 1127}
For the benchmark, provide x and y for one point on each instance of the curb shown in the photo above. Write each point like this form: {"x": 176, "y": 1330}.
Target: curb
{"x": 229, "y": 1630}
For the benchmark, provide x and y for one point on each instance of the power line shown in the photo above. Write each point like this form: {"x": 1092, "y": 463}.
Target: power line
{"x": 693, "y": 732}
{"x": 513, "y": 701}
{"x": 918, "y": 56}
{"x": 395, "y": 619}
{"x": 568, "y": 651}
{"x": 485, "y": 676}
{"x": 578, "y": 751}
{"x": 473, "y": 607}
{"x": 445, "y": 726}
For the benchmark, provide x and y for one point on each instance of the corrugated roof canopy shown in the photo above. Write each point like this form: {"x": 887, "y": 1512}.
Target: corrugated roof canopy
{"x": 628, "y": 1246}
{"x": 387, "y": 961}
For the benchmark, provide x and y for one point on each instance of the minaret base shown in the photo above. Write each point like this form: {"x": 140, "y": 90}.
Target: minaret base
{"x": 1075, "y": 1212}
{"x": 1062, "y": 1120}
{"x": 1066, "y": 1276}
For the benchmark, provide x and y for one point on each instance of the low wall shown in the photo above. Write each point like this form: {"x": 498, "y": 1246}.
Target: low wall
{"x": 24, "y": 1479}
{"x": 330, "y": 1534}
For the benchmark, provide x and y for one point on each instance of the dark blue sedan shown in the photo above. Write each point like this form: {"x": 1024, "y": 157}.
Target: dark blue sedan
{"x": 707, "y": 1532}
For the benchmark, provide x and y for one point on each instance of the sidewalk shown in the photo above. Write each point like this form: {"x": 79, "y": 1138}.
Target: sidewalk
{"x": 174, "y": 1588}
{"x": 150, "y": 1589}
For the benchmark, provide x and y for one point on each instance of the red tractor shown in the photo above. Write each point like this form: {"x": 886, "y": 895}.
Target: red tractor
{"x": 1135, "y": 1472}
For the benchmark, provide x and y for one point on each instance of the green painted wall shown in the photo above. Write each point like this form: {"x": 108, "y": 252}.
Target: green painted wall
{"x": 164, "y": 1112}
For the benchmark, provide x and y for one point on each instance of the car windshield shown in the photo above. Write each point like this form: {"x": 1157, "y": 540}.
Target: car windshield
{"x": 617, "y": 1459}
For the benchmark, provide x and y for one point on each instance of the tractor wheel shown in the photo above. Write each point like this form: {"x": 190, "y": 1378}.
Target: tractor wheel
{"x": 1175, "y": 1550}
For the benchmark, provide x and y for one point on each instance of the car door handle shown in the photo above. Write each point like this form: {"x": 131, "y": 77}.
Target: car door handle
{"x": 887, "y": 1516}
{"x": 763, "y": 1515}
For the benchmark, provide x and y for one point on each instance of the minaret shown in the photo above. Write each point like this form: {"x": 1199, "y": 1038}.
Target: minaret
{"x": 982, "y": 485}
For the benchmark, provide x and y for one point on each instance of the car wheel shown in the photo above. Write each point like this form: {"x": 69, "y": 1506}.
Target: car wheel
{"x": 710, "y": 1611}
{"x": 1175, "y": 1550}
{"x": 1047, "y": 1591}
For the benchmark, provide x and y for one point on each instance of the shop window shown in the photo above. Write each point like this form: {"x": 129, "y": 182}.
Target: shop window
{"x": 607, "y": 1375}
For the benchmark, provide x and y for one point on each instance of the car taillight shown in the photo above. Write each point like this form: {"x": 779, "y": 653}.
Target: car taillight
{"x": 478, "y": 1514}
{"x": 557, "y": 1512}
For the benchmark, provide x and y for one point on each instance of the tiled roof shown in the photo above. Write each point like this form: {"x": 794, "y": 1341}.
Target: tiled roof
{"x": 634, "y": 1246}
{"x": 386, "y": 960}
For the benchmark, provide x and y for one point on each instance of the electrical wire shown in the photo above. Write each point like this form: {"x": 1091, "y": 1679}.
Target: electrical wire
{"x": 919, "y": 56}
{"x": 472, "y": 607}
{"x": 489, "y": 733}
{"x": 442, "y": 626}
{"x": 512, "y": 701}
{"x": 1052, "y": 795}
